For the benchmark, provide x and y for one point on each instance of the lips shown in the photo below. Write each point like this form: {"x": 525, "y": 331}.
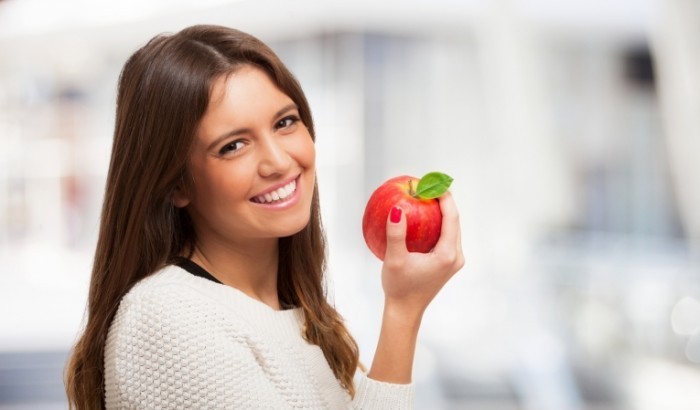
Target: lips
{"x": 278, "y": 194}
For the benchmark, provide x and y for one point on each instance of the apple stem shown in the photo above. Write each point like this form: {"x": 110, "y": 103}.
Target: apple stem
{"x": 411, "y": 189}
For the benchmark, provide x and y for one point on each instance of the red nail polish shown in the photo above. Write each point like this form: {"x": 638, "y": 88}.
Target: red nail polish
{"x": 395, "y": 215}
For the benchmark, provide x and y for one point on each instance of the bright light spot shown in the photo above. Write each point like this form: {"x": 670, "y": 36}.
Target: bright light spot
{"x": 685, "y": 317}
{"x": 657, "y": 384}
{"x": 692, "y": 349}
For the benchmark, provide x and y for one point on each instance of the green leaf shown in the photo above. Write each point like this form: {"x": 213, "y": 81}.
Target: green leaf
{"x": 433, "y": 185}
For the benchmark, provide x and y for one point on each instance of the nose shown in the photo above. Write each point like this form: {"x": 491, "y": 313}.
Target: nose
{"x": 274, "y": 158}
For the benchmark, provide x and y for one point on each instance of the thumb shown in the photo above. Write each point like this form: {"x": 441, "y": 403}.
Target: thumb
{"x": 395, "y": 234}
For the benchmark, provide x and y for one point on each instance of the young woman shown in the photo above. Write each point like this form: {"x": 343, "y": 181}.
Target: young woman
{"x": 207, "y": 285}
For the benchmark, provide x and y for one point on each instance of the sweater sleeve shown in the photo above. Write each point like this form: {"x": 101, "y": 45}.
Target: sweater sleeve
{"x": 371, "y": 394}
{"x": 166, "y": 351}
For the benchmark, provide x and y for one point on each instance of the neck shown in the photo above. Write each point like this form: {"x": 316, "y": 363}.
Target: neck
{"x": 251, "y": 268}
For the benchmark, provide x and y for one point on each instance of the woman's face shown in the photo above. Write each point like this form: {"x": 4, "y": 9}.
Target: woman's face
{"x": 253, "y": 163}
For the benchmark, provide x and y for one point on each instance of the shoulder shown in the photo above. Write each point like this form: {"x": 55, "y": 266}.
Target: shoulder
{"x": 174, "y": 317}
{"x": 171, "y": 279}
{"x": 175, "y": 337}
{"x": 176, "y": 290}
{"x": 171, "y": 296}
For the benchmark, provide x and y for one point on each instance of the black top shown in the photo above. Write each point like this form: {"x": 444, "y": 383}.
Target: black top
{"x": 196, "y": 270}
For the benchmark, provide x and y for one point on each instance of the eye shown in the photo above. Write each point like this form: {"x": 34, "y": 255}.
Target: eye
{"x": 287, "y": 122}
{"x": 231, "y": 147}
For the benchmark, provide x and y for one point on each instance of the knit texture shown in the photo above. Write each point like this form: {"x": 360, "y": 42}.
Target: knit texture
{"x": 183, "y": 342}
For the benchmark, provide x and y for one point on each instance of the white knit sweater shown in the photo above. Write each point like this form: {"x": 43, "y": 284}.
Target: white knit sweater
{"x": 179, "y": 341}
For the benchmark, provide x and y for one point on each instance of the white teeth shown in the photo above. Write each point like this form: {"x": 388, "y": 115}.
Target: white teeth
{"x": 278, "y": 194}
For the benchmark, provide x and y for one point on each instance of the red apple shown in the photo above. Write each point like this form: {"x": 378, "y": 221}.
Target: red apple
{"x": 417, "y": 198}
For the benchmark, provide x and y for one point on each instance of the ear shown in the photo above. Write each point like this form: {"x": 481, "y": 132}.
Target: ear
{"x": 180, "y": 198}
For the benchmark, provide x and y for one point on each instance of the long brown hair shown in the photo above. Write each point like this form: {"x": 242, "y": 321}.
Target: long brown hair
{"x": 164, "y": 90}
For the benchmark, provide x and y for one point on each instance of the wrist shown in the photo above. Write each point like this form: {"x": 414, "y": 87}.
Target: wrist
{"x": 406, "y": 315}
{"x": 393, "y": 359}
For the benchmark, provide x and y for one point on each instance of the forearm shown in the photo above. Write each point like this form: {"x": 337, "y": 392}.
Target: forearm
{"x": 410, "y": 281}
{"x": 393, "y": 359}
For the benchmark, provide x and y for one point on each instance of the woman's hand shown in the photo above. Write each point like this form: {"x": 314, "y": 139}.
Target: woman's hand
{"x": 410, "y": 282}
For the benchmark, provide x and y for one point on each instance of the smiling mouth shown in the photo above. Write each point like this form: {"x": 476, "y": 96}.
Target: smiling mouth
{"x": 278, "y": 195}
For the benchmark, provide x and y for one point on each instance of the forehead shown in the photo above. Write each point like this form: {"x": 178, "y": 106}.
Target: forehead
{"x": 238, "y": 87}
{"x": 240, "y": 99}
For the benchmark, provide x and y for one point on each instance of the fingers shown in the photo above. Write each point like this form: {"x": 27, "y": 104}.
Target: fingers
{"x": 450, "y": 231}
{"x": 413, "y": 279}
{"x": 450, "y": 242}
{"x": 395, "y": 235}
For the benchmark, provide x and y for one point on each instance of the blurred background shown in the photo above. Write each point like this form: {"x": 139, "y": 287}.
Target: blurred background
{"x": 571, "y": 128}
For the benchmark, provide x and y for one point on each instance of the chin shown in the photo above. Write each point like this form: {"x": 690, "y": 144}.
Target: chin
{"x": 293, "y": 230}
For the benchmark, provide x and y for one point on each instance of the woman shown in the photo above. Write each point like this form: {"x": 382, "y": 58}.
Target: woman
{"x": 206, "y": 290}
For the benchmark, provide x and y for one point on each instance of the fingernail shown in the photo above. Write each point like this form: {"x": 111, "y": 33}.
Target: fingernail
{"x": 395, "y": 215}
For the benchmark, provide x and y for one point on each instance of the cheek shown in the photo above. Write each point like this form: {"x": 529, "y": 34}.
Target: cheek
{"x": 307, "y": 153}
{"x": 217, "y": 185}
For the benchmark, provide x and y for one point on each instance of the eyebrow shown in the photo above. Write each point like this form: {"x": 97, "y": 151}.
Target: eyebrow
{"x": 239, "y": 131}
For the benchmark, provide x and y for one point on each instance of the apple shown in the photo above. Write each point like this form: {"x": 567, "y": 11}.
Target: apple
{"x": 418, "y": 199}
